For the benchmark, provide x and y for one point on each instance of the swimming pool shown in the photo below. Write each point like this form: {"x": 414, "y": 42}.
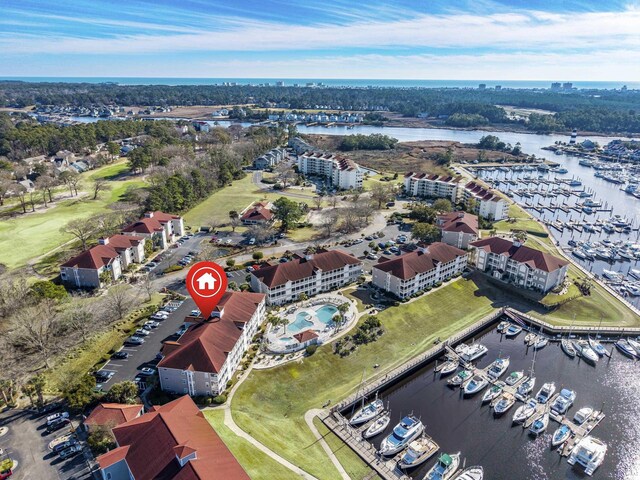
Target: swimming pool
{"x": 301, "y": 322}
{"x": 326, "y": 313}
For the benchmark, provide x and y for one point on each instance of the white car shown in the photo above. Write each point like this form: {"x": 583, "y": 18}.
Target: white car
{"x": 195, "y": 312}
{"x": 135, "y": 340}
{"x": 142, "y": 331}
{"x": 147, "y": 371}
{"x": 151, "y": 324}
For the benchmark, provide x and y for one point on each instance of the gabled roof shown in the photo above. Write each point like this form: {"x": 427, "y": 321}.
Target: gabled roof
{"x": 162, "y": 217}
{"x": 300, "y": 268}
{"x": 120, "y": 242}
{"x": 112, "y": 414}
{"x": 93, "y": 258}
{"x": 144, "y": 225}
{"x": 257, "y": 213}
{"x": 148, "y": 445}
{"x": 419, "y": 261}
{"x": 239, "y": 307}
{"x": 521, "y": 253}
{"x": 305, "y": 336}
{"x": 459, "y": 222}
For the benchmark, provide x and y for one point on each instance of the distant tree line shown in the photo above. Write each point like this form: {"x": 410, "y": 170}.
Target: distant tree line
{"x": 375, "y": 141}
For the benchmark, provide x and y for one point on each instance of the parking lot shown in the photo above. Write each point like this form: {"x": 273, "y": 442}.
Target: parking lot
{"x": 141, "y": 356}
{"x": 173, "y": 255}
{"x": 27, "y": 442}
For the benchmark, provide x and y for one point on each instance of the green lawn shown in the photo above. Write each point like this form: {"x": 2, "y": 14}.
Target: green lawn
{"x": 216, "y": 207}
{"x": 257, "y": 464}
{"x": 275, "y": 400}
{"x": 38, "y": 233}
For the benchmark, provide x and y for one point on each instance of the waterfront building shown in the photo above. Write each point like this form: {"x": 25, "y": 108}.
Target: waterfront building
{"x": 342, "y": 173}
{"x": 206, "y": 356}
{"x": 414, "y": 271}
{"x": 512, "y": 262}
{"x": 487, "y": 203}
{"x": 310, "y": 274}
{"x": 270, "y": 159}
{"x": 259, "y": 213}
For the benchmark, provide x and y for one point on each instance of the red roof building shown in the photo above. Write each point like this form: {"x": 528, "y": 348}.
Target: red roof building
{"x": 415, "y": 271}
{"x": 173, "y": 442}
{"x": 112, "y": 414}
{"x": 515, "y": 263}
{"x": 458, "y": 229}
{"x": 204, "y": 358}
{"x": 312, "y": 274}
{"x": 258, "y": 213}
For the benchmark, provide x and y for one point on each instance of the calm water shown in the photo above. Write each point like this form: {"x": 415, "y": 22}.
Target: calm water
{"x": 337, "y": 82}
{"x": 464, "y": 425}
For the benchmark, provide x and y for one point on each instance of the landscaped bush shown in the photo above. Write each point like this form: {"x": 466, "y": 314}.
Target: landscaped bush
{"x": 220, "y": 399}
{"x": 173, "y": 268}
{"x": 311, "y": 349}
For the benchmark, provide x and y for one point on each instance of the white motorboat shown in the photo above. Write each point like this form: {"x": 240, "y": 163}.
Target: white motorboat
{"x": 525, "y": 411}
{"x": 560, "y": 436}
{"x": 564, "y": 401}
{"x": 367, "y": 412}
{"x": 444, "y": 468}
{"x": 449, "y": 367}
{"x": 625, "y": 348}
{"x": 582, "y": 415}
{"x": 634, "y": 344}
{"x": 540, "y": 342}
{"x": 505, "y": 403}
{"x": 513, "y": 331}
{"x": 377, "y": 427}
{"x": 475, "y": 385}
{"x": 635, "y": 273}
{"x": 597, "y": 347}
{"x": 588, "y": 452}
{"x": 526, "y": 387}
{"x": 582, "y": 346}
{"x": 502, "y": 326}
{"x": 568, "y": 347}
{"x": 539, "y": 425}
{"x": 418, "y": 452}
{"x": 610, "y": 274}
{"x": 545, "y": 393}
{"x": 472, "y": 352}
{"x": 498, "y": 367}
{"x": 471, "y": 473}
{"x": 403, "y": 434}
{"x": 459, "y": 379}
{"x": 493, "y": 392}
{"x": 530, "y": 337}
{"x": 514, "y": 377}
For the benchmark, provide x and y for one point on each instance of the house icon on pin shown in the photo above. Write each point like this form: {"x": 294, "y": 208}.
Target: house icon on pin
{"x": 206, "y": 281}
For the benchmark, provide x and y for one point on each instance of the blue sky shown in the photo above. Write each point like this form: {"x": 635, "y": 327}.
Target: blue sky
{"x": 412, "y": 39}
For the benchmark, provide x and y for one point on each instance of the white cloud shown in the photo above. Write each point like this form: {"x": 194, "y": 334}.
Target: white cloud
{"x": 520, "y": 30}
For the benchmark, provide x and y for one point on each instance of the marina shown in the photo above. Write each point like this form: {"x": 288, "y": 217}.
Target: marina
{"x": 540, "y": 445}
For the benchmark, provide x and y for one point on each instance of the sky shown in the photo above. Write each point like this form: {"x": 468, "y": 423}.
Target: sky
{"x": 587, "y": 40}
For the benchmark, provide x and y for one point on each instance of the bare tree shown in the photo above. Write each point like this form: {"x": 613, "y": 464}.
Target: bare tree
{"x": 99, "y": 185}
{"x": 261, "y": 233}
{"x": 71, "y": 179}
{"x": 37, "y": 331}
{"x": 147, "y": 286}
{"x": 329, "y": 222}
{"x": 21, "y": 192}
{"x": 5, "y": 189}
{"x": 317, "y": 200}
{"x": 81, "y": 320}
{"x": 333, "y": 201}
{"x": 46, "y": 184}
{"x": 284, "y": 174}
{"x": 119, "y": 299}
{"x": 81, "y": 229}
{"x": 14, "y": 295}
{"x": 33, "y": 197}
{"x": 381, "y": 193}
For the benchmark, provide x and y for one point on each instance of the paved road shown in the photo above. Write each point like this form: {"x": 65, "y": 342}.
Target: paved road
{"x": 27, "y": 442}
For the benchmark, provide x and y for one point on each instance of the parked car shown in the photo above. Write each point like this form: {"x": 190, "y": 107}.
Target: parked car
{"x": 147, "y": 371}
{"x": 195, "y": 312}
{"x": 151, "y": 324}
{"x": 135, "y": 340}
{"x": 103, "y": 376}
{"x": 120, "y": 355}
{"x": 142, "y": 331}
{"x": 358, "y": 241}
{"x": 252, "y": 241}
{"x": 371, "y": 256}
{"x": 56, "y": 416}
{"x": 57, "y": 424}
{"x": 66, "y": 444}
{"x": 181, "y": 330}
{"x": 71, "y": 451}
{"x": 369, "y": 237}
{"x": 158, "y": 316}
{"x": 249, "y": 269}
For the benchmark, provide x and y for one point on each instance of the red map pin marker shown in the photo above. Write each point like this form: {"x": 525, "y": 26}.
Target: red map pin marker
{"x": 206, "y": 282}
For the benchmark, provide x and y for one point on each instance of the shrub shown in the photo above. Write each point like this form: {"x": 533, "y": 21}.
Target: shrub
{"x": 220, "y": 399}
{"x": 173, "y": 268}
{"x": 311, "y": 349}
{"x": 231, "y": 262}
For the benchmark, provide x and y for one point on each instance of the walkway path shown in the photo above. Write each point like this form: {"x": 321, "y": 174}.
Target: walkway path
{"x": 231, "y": 424}
{"x": 308, "y": 417}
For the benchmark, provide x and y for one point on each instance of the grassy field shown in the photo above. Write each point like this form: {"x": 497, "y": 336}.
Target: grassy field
{"x": 263, "y": 405}
{"x": 39, "y": 232}
{"x": 258, "y": 465}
